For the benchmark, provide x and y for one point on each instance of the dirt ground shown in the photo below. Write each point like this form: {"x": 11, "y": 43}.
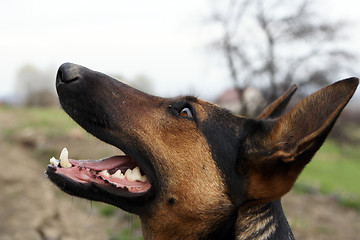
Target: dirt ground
{"x": 32, "y": 208}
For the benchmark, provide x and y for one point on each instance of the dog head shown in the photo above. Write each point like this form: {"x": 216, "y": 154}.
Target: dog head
{"x": 201, "y": 162}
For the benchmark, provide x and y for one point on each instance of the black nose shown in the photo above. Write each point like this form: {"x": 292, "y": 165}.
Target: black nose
{"x": 68, "y": 72}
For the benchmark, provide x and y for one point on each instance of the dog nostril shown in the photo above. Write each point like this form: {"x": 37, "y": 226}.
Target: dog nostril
{"x": 68, "y": 73}
{"x": 72, "y": 79}
{"x": 60, "y": 76}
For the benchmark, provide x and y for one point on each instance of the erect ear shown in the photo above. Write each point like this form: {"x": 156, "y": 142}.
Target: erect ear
{"x": 279, "y": 149}
{"x": 276, "y": 108}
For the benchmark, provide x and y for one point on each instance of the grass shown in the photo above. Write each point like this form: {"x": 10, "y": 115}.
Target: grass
{"x": 131, "y": 232}
{"x": 51, "y": 121}
{"x": 334, "y": 170}
{"x": 125, "y": 234}
{"x": 107, "y": 210}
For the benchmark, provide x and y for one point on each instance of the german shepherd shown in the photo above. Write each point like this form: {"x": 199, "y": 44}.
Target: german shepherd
{"x": 191, "y": 169}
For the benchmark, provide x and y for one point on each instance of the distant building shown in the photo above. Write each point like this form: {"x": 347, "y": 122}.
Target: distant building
{"x": 249, "y": 101}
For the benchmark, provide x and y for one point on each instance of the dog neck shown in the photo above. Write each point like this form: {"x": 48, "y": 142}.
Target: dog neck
{"x": 263, "y": 222}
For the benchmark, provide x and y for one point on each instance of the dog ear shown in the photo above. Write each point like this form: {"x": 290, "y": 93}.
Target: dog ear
{"x": 276, "y": 108}
{"x": 279, "y": 149}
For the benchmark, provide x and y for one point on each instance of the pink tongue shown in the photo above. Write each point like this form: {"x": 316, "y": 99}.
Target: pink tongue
{"x": 99, "y": 165}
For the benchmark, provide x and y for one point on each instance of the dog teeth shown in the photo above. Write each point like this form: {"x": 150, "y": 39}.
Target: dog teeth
{"x": 128, "y": 175}
{"x": 135, "y": 175}
{"x": 105, "y": 173}
{"x": 64, "y": 159}
{"x": 143, "y": 179}
{"x": 131, "y": 175}
{"x": 54, "y": 162}
{"x": 118, "y": 174}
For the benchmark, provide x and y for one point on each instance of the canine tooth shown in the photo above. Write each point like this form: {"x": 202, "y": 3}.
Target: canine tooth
{"x": 54, "y": 162}
{"x": 105, "y": 173}
{"x": 118, "y": 174}
{"x": 64, "y": 159}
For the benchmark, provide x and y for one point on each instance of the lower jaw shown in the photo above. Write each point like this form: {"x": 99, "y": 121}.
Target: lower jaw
{"x": 94, "y": 180}
{"x": 87, "y": 175}
{"x": 131, "y": 202}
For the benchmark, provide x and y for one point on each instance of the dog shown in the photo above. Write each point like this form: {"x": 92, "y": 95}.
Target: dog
{"x": 191, "y": 169}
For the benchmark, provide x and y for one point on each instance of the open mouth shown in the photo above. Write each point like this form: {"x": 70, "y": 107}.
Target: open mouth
{"x": 118, "y": 173}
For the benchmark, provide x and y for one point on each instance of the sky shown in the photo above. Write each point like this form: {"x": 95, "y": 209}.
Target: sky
{"x": 167, "y": 41}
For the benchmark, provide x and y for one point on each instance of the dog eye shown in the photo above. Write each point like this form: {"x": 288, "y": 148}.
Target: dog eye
{"x": 186, "y": 112}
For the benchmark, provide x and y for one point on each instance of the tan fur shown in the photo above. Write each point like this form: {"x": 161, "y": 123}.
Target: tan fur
{"x": 192, "y": 178}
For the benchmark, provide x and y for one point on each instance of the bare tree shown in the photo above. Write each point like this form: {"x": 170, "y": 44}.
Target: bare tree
{"x": 275, "y": 43}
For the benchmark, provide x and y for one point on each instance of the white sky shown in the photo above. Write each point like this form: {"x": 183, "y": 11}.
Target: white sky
{"x": 164, "y": 40}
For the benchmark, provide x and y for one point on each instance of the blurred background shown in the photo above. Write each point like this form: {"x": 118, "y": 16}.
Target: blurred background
{"x": 240, "y": 54}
